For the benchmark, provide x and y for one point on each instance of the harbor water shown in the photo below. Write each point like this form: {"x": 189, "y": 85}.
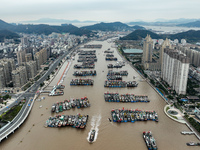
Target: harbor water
{"x": 32, "y": 135}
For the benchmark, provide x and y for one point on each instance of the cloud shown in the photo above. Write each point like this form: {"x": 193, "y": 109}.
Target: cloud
{"x": 101, "y": 10}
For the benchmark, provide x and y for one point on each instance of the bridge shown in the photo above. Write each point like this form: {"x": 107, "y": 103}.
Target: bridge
{"x": 17, "y": 121}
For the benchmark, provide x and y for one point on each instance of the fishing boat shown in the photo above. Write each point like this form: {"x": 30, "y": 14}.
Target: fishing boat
{"x": 192, "y": 144}
{"x": 122, "y": 115}
{"x": 149, "y": 140}
{"x": 92, "y": 136}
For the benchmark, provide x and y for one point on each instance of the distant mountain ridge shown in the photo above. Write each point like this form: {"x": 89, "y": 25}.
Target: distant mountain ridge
{"x": 140, "y": 34}
{"x": 61, "y": 21}
{"x": 6, "y": 34}
{"x": 5, "y": 25}
{"x": 190, "y": 36}
{"x": 44, "y": 29}
{"x": 114, "y": 26}
{"x": 163, "y": 22}
{"x": 190, "y": 24}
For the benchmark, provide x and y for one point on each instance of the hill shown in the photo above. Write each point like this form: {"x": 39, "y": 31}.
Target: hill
{"x": 44, "y": 29}
{"x": 136, "y": 27}
{"x": 164, "y": 22}
{"x": 56, "y": 21}
{"x": 5, "y": 25}
{"x": 139, "y": 34}
{"x": 190, "y": 24}
{"x": 190, "y": 36}
{"x": 6, "y": 34}
{"x": 114, "y": 26}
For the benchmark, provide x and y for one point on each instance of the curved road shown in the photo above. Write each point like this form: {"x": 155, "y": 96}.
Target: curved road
{"x": 29, "y": 94}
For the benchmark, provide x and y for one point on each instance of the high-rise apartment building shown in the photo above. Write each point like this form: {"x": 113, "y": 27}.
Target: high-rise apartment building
{"x": 147, "y": 52}
{"x": 21, "y": 57}
{"x": 193, "y": 55}
{"x": 7, "y": 66}
{"x": 19, "y": 76}
{"x": 41, "y": 57}
{"x": 175, "y": 69}
{"x": 31, "y": 69}
{"x": 28, "y": 57}
{"x": 2, "y": 78}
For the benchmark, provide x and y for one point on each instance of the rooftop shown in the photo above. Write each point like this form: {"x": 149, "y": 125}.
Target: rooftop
{"x": 132, "y": 51}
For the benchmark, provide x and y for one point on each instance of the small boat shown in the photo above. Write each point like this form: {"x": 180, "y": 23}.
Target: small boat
{"x": 193, "y": 144}
{"x": 149, "y": 140}
{"x": 187, "y": 132}
{"x": 92, "y": 136}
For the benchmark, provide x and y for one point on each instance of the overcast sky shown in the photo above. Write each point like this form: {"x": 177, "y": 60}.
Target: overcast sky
{"x": 98, "y": 10}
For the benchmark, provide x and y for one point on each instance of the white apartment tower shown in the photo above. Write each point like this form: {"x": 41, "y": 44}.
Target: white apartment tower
{"x": 175, "y": 69}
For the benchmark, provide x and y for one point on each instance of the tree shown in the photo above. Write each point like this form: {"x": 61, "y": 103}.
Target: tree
{"x": 6, "y": 97}
{"x": 48, "y": 77}
{"x": 170, "y": 97}
{"x": 41, "y": 84}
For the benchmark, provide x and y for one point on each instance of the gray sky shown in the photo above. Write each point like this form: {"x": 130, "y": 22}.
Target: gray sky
{"x": 98, "y": 10}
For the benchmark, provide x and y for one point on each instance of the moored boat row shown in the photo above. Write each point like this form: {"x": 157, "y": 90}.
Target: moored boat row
{"x": 119, "y": 64}
{"x": 87, "y": 56}
{"x": 121, "y": 115}
{"x": 75, "y": 121}
{"x": 87, "y": 60}
{"x": 84, "y": 66}
{"x": 108, "y": 51}
{"x": 111, "y": 58}
{"x": 114, "y": 77}
{"x": 89, "y": 52}
{"x": 114, "y": 66}
{"x": 149, "y": 140}
{"x": 131, "y": 84}
{"x": 85, "y": 73}
{"x": 77, "y": 82}
{"x": 109, "y": 55}
{"x": 115, "y": 83}
{"x": 121, "y": 73}
{"x": 119, "y": 84}
{"x": 116, "y": 97}
{"x": 68, "y": 104}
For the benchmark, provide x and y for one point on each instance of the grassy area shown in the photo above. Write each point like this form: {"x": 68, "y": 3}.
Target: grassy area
{"x": 27, "y": 86}
{"x": 37, "y": 77}
{"x": 10, "y": 114}
{"x": 169, "y": 114}
{"x": 167, "y": 108}
{"x": 194, "y": 123}
{"x": 161, "y": 91}
{"x": 174, "y": 117}
{"x": 178, "y": 107}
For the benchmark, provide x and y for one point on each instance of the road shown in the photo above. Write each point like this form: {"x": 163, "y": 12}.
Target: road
{"x": 28, "y": 94}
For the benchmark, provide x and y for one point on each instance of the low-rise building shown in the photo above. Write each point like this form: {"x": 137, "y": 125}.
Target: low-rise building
{"x": 197, "y": 113}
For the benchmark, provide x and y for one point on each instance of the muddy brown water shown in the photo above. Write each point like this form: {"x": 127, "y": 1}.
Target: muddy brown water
{"x": 32, "y": 135}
